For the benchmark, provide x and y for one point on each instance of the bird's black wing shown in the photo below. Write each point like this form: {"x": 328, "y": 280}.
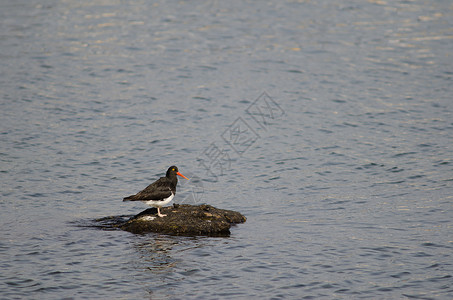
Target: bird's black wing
{"x": 158, "y": 190}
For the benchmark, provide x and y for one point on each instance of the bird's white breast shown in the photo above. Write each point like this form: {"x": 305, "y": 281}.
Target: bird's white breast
{"x": 159, "y": 203}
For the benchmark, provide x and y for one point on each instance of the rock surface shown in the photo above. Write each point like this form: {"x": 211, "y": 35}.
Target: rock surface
{"x": 184, "y": 219}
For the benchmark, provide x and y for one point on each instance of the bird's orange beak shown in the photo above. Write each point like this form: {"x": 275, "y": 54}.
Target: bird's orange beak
{"x": 182, "y": 175}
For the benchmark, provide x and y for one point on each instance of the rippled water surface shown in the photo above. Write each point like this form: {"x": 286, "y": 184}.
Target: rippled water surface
{"x": 328, "y": 124}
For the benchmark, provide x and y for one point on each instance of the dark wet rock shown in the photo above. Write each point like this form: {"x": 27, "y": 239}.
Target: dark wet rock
{"x": 184, "y": 219}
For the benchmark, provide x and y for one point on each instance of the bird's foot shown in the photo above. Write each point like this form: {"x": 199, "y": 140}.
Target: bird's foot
{"x": 159, "y": 214}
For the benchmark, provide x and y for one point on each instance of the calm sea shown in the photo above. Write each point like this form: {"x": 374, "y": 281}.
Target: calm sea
{"x": 328, "y": 124}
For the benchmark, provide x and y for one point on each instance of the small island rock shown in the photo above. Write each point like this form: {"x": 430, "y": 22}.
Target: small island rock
{"x": 185, "y": 219}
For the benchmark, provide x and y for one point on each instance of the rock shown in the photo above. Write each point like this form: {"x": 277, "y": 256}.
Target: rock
{"x": 184, "y": 219}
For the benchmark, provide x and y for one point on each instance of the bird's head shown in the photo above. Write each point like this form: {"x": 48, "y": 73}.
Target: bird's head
{"x": 174, "y": 170}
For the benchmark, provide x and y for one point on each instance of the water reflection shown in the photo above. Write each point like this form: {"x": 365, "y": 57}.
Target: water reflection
{"x": 162, "y": 253}
{"x": 155, "y": 253}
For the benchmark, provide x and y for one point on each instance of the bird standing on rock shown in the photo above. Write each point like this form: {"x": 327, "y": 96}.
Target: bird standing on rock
{"x": 160, "y": 192}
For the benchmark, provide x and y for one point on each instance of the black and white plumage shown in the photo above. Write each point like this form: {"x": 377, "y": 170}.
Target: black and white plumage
{"x": 160, "y": 192}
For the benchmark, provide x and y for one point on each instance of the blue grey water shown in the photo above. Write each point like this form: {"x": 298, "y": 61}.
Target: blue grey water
{"x": 328, "y": 124}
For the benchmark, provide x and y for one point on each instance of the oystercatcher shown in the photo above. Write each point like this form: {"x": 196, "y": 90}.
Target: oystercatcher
{"x": 160, "y": 192}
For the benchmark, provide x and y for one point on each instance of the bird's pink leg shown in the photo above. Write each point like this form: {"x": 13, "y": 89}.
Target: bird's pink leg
{"x": 159, "y": 214}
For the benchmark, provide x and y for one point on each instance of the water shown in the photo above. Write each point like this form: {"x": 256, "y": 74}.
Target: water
{"x": 347, "y": 186}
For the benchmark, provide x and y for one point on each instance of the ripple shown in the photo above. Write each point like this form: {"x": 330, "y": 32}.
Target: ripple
{"x": 347, "y": 194}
